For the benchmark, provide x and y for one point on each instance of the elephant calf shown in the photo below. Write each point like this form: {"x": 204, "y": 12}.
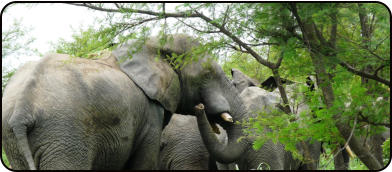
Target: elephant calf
{"x": 182, "y": 147}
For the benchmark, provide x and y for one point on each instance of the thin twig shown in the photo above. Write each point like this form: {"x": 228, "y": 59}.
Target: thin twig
{"x": 237, "y": 40}
{"x": 117, "y": 5}
{"x": 139, "y": 22}
{"x": 363, "y": 47}
{"x": 378, "y": 69}
{"x": 225, "y": 16}
{"x": 236, "y": 48}
{"x": 202, "y": 31}
{"x": 179, "y": 14}
{"x": 346, "y": 144}
{"x": 381, "y": 42}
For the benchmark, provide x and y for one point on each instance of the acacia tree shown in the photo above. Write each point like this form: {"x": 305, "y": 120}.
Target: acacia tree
{"x": 322, "y": 39}
{"x": 14, "y": 41}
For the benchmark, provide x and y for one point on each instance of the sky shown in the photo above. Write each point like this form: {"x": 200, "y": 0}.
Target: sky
{"x": 49, "y": 23}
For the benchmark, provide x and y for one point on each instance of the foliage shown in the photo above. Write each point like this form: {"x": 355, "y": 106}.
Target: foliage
{"x": 87, "y": 43}
{"x": 6, "y": 76}
{"x": 386, "y": 150}
{"x": 4, "y": 158}
{"x": 326, "y": 162}
{"x": 351, "y": 39}
{"x": 246, "y": 64}
{"x": 16, "y": 41}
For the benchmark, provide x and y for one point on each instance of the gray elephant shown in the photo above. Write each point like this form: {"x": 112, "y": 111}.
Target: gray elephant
{"x": 72, "y": 113}
{"x": 185, "y": 150}
{"x": 181, "y": 151}
{"x": 257, "y": 99}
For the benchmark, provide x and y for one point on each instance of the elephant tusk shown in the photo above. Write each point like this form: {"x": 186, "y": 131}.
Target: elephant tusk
{"x": 227, "y": 117}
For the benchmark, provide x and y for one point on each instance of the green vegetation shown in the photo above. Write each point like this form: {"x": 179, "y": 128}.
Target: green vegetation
{"x": 326, "y": 162}
{"x": 4, "y": 158}
{"x": 345, "y": 45}
{"x": 86, "y": 43}
{"x": 15, "y": 41}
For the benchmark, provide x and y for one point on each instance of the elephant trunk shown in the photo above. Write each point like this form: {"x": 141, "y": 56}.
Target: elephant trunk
{"x": 221, "y": 153}
{"x": 237, "y": 111}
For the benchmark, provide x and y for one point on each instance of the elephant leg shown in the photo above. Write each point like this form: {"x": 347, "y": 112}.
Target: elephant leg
{"x": 146, "y": 150}
{"x": 146, "y": 154}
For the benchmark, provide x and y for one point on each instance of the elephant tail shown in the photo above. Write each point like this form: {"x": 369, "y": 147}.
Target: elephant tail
{"x": 20, "y": 123}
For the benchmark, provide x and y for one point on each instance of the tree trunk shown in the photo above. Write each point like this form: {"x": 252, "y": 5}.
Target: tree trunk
{"x": 340, "y": 160}
{"x": 286, "y": 106}
{"x": 323, "y": 81}
{"x": 308, "y": 29}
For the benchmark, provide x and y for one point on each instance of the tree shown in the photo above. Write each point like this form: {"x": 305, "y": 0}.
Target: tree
{"x": 15, "y": 41}
{"x": 322, "y": 39}
{"x": 87, "y": 43}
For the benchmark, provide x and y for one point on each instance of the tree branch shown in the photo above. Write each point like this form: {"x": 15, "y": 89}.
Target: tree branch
{"x": 378, "y": 69}
{"x": 279, "y": 62}
{"x": 364, "y": 74}
{"x": 236, "y": 48}
{"x": 346, "y": 144}
{"x": 366, "y": 119}
{"x": 225, "y": 16}
{"x": 183, "y": 15}
{"x": 263, "y": 43}
{"x": 319, "y": 35}
{"x": 202, "y": 31}
{"x": 282, "y": 91}
{"x": 381, "y": 42}
{"x": 372, "y": 23}
{"x": 332, "y": 39}
{"x": 95, "y": 7}
{"x": 238, "y": 41}
{"x": 175, "y": 15}
{"x": 117, "y": 5}
{"x": 129, "y": 25}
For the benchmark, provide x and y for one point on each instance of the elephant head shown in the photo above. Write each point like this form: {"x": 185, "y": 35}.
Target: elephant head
{"x": 152, "y": 66}
{"x": 257, "y": 99}
{"x": 241, "y": 81}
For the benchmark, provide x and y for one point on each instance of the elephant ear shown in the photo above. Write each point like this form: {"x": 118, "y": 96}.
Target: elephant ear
{"x": 151, "y": 73}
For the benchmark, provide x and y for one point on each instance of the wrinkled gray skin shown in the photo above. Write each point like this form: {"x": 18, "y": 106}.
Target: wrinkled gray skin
{"x": 63, "y": 113}
{"x": 186, "y": 151}
{"x": 182, "y": 147}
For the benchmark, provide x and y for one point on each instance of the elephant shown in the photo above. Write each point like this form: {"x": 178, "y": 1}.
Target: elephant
{"x": 71, "y": 113}
{"x": 185, "y": 150}
{"x": 181, "y": 151}
{"x": 274, "y": 155}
